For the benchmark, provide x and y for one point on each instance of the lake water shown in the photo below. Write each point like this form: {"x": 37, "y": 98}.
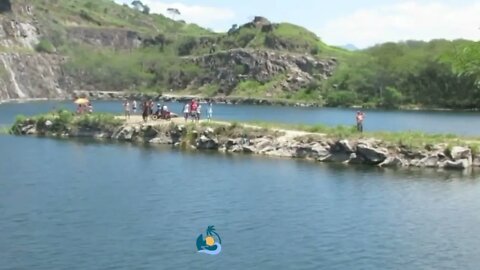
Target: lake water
{"x": 71, "y": 204}
{"x": 461, "y": 123}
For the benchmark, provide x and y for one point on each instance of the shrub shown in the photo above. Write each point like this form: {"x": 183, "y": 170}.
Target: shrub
{"x": 341, "y": 98}
{"x": 392, "y": 98}
{"x": 45, "y": 46}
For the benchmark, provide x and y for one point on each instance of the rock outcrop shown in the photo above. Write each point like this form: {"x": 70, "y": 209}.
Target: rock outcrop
{"x": 288, "y": 71}
{"x": 269, "y": 143}
{"x": 120, "y": 39}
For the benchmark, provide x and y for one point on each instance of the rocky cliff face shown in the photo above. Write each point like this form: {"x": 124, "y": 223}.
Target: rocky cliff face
{"x": 24, "y": 76}
{"x": 290, "y": 71}
{"x": 106, "y": 37}
{"x": 23, "y": 72}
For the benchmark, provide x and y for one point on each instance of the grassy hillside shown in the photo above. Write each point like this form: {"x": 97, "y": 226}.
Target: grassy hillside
{"x": 392, "y": 75}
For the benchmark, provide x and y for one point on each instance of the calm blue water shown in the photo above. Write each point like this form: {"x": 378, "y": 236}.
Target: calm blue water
{"x": 78, "y": 205}
{"x": 81, "y": 205}
{"x": 461, "y": 123}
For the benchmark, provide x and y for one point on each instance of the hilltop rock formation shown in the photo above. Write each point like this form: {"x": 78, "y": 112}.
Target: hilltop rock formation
{"x": 289, "y": 71}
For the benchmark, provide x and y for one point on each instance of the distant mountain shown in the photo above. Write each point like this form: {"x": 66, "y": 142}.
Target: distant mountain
{"x": 349, "y": 47}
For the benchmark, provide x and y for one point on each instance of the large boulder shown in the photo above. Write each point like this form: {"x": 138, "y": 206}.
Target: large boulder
{"x": 262, "y": 143}
{"x": 204, "y": 142}
{"x": 457, "y": 164}
{"x": 313, "y": 151}
{"x": 393, "y": 161}
{"x": 430, "y": 161}
{"x": 459, "y": 152}
{"x": 124, "y": 133}
{"x": 335, "y": 157}
{"x": 371, "y": 154}
{"x": 162, "y": 138}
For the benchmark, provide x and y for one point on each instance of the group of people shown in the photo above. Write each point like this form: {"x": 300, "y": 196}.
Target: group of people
{"x": 193, "y": 109}
{"x": 129, "y": 107}
{"x": 85, "y": 108}
{"x": 148, "y": 109}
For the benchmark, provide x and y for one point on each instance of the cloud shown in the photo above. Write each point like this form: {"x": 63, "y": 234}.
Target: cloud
{"x": 404, "y": 21}
{"x": 207, "y": 16}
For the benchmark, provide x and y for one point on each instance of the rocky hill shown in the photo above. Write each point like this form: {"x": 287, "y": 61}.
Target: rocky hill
{"x": 51, "y": 48}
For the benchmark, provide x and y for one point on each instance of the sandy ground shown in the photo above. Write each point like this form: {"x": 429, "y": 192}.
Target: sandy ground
{"x": 137, "y": 119}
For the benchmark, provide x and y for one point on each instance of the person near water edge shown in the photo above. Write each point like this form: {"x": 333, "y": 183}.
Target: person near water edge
{"x": 360, "y": 117}
{"x": 210, "y": 111}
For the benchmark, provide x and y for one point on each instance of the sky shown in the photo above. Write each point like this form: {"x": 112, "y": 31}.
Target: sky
{"x": 362, "y": 23}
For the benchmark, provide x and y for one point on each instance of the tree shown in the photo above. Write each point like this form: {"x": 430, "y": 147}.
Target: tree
{"x": 174, "y": 12}
{"x": 233, "y": 29}
{"x": 392, "y": 98}
{"x": 138, "y": 5}
{"x": 146, "y": 10}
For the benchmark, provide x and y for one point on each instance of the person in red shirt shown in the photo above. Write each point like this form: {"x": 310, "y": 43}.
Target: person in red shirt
{"x": 360, "y": 117}
{"x": 193, "y": 109}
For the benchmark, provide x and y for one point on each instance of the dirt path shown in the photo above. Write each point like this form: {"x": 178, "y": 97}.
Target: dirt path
{"x": 137, "y": 119}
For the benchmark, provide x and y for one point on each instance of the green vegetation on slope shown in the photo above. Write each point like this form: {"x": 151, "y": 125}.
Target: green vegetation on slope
{"x": 439, "y": 73}
{"x": 410, "y": 73}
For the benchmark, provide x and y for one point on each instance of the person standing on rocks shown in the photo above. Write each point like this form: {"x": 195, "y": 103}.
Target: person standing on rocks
{"x": 126, "y": 108}
{"x": 360, "y": 117}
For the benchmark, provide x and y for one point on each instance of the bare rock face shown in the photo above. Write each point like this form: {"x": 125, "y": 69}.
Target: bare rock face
{"x": 106, "y": 37}
{"x": 32, "y": 76}
{"x": 228, "y": 68}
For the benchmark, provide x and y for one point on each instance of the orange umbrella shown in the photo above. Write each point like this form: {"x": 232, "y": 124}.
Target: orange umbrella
{"x": 81, "y": 101}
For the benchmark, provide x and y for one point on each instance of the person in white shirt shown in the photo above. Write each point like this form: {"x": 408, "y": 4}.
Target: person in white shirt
{"x": 126, "y": 107}
{"x": 186, "y": 111}
{"x": 134, "y": 106}
{"x": 210, "y": 112}
{"x": 199, "y": 110}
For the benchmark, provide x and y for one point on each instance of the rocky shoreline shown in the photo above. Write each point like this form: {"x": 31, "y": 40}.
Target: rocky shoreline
{"x": 111, "y": 95}
{"x": 233, "y": 138}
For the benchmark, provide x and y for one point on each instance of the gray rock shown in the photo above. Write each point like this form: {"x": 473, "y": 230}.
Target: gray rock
{"x": 335, "y": 157}
{"x": 281, "y": 152}
{"x": 235, "y": 149}
{"x": 205, "y": 142}
{"x": 161, "y": 140}
{"x": 459, "y": 152}
{"x": 261, "y": 143}
{"x": 457, "y": 164}
{"x": 393, "y": 161}
{"x": 124, "y": 133}
{"x": 345, "y": 145}
{"x": 26, "y": 129}
{"x": 266, "y": 149}
{"x": 209, "y": 130}
{"x": 249, "y": 149}
{"x": 355, "y": 159}
{"x": 429, "y": 161}
{"x": 372, "y": 155}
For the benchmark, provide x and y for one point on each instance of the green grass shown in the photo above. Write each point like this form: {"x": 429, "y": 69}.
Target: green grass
{"x": 407, "y": 138}
{"x": 63, "y": 120}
